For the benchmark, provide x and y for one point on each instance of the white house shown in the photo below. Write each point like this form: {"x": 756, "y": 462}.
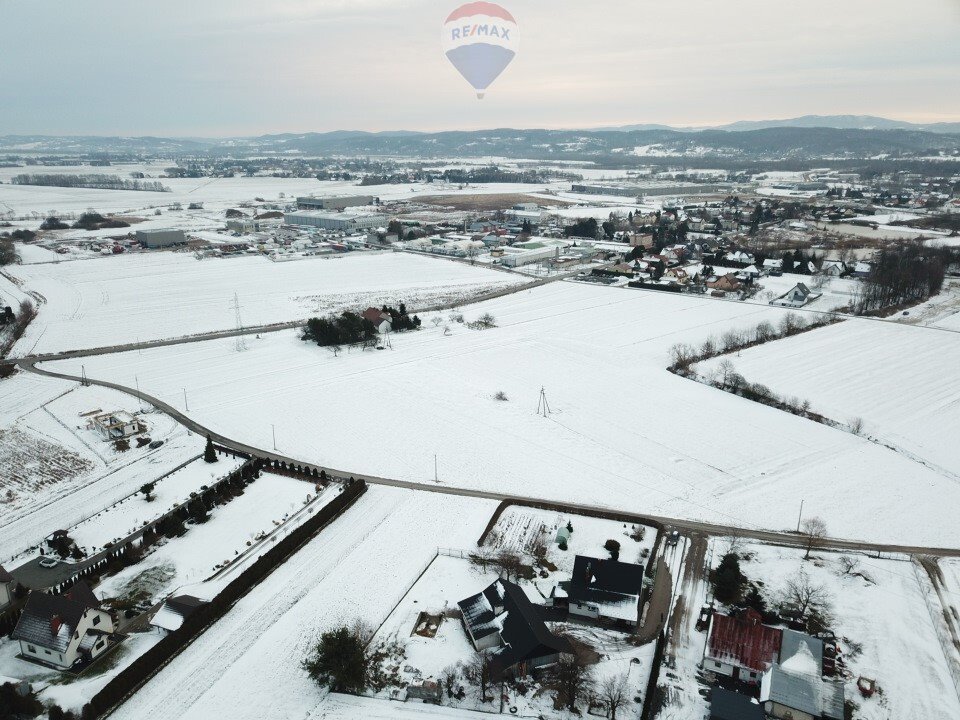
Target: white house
{"x": 62, "y": 630}
{"x": 381, "y": 320}
{"x": 833, "y": 268}
{"x": 797, "y": 296}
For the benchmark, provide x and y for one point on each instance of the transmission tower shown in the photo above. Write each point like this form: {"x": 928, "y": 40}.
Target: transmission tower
{"x": 241, "y": 343}
{"x": 543, "y": 407}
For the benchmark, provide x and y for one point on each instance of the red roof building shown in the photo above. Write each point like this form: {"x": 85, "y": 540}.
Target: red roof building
{"x": 741, "y": 646}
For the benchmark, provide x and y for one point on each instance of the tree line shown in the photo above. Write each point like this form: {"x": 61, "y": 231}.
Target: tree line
{"x": 911, "y": 273}
{"x": 98, "y": 182}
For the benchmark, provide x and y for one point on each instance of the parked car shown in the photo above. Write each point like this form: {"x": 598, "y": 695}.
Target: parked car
{"x": 673, "y": 537}
{"x": 155, "y": 444}
{"x": 48, "y": 562}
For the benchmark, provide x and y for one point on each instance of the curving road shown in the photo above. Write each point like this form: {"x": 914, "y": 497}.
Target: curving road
{"x": 688, "y": 526}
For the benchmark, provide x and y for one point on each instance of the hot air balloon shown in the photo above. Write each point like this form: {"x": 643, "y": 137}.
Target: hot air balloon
{"x": 480, "y": 39}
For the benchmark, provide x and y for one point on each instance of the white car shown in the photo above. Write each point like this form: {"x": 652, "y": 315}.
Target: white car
{"x": 48, "y": 562}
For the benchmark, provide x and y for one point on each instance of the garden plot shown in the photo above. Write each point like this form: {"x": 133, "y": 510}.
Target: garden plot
{"x": 420, "y": 657}
{"x": 521, "y": 529}
{"x": 61, "y": 472}
{"x": 237, "y": 533}
{"x": 358, "y": 568}
{"x": 133, "y": 512}
{"x": 622, "y": 432}
{"x": 139, "y": 297}
{"x": 881, "y": 616}
{"x": 898, "y": 380}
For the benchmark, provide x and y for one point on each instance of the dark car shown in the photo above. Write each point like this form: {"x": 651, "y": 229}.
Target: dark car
{"x": 155, "y": 444}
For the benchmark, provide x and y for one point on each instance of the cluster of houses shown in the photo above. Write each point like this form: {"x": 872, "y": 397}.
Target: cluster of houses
{"x": 502, "y": 620}
{"x": 770, "y": 672}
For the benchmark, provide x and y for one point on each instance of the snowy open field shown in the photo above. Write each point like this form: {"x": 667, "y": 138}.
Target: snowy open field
{"x": 623, "y": 432}
{"x": 126, "y": 298}
{"x": 59, "y": 471}
{"x": 901, "y": 392}
{"x": 248, "y": 665}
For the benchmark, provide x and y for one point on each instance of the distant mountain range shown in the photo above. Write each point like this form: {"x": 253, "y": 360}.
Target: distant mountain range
{"x": 808, "y": 137}
{"x": 838, "y": 122}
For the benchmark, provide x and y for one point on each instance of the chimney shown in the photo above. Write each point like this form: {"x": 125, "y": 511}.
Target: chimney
{"x": 55, "y": 624}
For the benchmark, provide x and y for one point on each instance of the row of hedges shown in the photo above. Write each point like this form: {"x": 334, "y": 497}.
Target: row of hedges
{"x": 152, "y": 661}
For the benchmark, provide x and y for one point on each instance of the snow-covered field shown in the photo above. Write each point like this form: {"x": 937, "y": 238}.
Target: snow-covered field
{"x": 248, "y": 665}
{"x": 623, "y": 432}
{"x": 129, "y": 298}
{"x": 886, "y": 614}
{"x": 895, "y": 377}
{"x": 59, "y": 471}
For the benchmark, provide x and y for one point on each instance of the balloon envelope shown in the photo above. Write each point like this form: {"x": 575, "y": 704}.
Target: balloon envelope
{"x": 480, "y": 39}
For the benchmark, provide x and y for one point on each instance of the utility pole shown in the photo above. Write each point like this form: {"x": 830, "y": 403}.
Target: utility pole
{"x": 185, "y": 405}
{"x": 241, "y": 344}
{"x": 139, "y": 396}
{"x": 436, "y": 474}
{"x": 273, "y": 430}
{"x": 800, "y": 515}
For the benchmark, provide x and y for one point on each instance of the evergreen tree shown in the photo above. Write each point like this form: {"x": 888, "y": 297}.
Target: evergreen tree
{"x": 209, "y": 452}
{"x": 727, "y": 579}
{"x": 340, "y": 661}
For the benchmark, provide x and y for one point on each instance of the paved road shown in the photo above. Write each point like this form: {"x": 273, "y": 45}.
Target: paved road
{"x": 688, "y": 526}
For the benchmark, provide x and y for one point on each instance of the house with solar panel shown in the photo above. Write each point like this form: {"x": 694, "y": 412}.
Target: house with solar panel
{"x": 502, "y": 620}
{"x": 64, "y": 630}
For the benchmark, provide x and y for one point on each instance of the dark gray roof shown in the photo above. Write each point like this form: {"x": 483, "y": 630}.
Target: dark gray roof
{"x": 791, "y": 643}
{"x": 728, "y": 705}
{"x": 184, "y": 605}
{"x": 604, "y": 582}
{"x": 5, "y": 577}
{"x": 481, "y": 611}
{"x": 50, "y": 620}
{"x": 806, "y": 693}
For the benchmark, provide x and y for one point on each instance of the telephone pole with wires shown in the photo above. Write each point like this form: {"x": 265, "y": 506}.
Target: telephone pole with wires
{"x": 543, "y": 407}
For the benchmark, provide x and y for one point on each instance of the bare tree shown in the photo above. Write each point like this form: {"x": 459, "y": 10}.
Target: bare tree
{"x": 478, "y": 672}
{"x": 804, "y": 594}
{"x": 856, "y": 425}
{"x": 725, "y": 370}
{"x": 437, "y": 320}
{"x": 335, "y": 349}
{"x": 615, "y": 692}
{"x": 849, "y": 564}
{"x": 449, "y": 677}
{"x": 815, "y": 530}
{"x": 573, "y": 680}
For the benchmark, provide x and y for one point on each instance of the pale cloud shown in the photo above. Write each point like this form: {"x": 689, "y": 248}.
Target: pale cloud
{"x": 216, "y": 67}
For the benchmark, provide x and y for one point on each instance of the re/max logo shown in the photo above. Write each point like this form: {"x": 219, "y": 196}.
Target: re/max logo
{"x": 462, "y": 33}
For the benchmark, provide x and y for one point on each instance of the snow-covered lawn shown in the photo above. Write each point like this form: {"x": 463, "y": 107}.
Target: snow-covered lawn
{"x": 237, "y": 532}
{"x": 622, "y": 431}
{"x": 358, "y": 568}
{"x": 900, "y": 380}
{"x": 149, "y": 296}
{"x": 519, "y": 528}
{"x": 885, "y": 615}
{"x": 133, "y": 512}
{"x": 61, "y": 472}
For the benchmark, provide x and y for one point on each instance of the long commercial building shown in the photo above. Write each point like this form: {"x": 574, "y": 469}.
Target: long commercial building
{"x": 161, "y": 238}
{"x": 334, "y": 203}
{"x": 335, "y": 220}
{"x": 652, "y": 189}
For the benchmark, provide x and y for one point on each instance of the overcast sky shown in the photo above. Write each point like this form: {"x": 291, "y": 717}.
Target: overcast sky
{"x": 245, "y": 67}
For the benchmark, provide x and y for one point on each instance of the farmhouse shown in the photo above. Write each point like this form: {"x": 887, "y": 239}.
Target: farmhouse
{"x": 794, "y": 690}
{"x": 797, "y": 296}
{"x": 741, "y": 646}
{"x": 604, "y": 590}
{"x": 115, "y": 425}
{"x": 62, "y": 630}
{"x": 381, "y": 320}
{"x": 502, "y": 618}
